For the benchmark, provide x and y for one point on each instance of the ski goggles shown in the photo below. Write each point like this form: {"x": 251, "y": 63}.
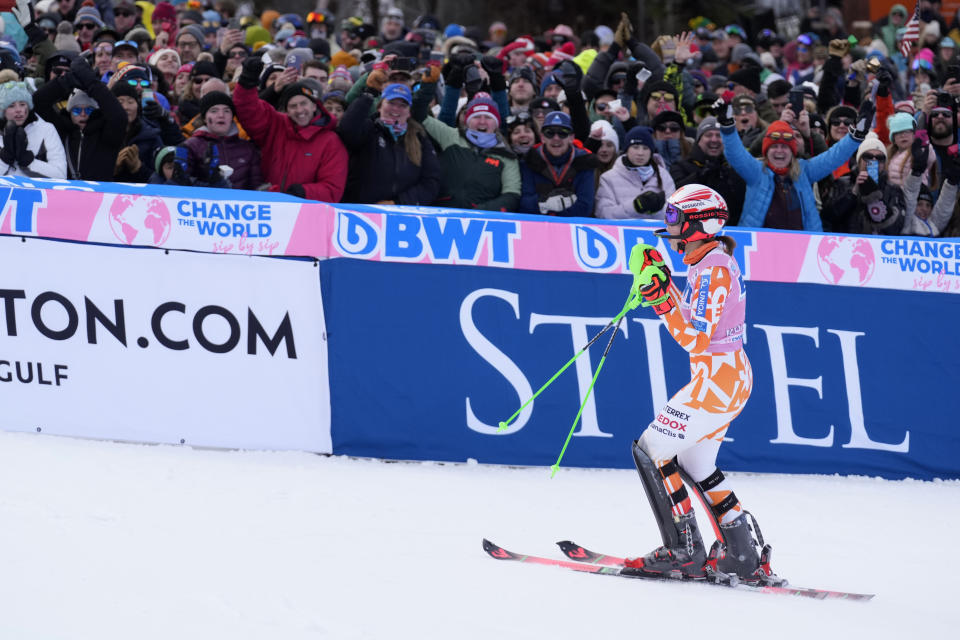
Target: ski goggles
{"x": 778, "y": 135}
{"x": 672, "y": 214}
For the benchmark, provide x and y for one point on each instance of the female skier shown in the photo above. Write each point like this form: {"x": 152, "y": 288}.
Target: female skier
{"x": 707, "y": 320}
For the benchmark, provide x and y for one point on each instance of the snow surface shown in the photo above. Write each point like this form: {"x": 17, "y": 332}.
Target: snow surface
{"x": 118, "y": 541}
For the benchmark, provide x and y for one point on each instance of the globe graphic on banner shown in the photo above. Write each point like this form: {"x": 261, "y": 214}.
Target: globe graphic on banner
{"x": 140, "y": 220}
{"x": 846, "y": 261}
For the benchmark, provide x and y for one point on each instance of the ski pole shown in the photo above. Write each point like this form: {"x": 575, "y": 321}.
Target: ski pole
{"x": 556, "y": 465}
{"x": 615, "y": 322}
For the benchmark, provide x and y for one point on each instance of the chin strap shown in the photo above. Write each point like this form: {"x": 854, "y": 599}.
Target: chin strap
{"x": 662, "y": 233}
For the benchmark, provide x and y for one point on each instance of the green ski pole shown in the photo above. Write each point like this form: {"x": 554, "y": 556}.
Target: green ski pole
{"x": 556, "y": 465}
{"x": 616, "y": 321}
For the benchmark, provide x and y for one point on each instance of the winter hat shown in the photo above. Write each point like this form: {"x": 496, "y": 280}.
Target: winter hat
{"x": 192, "y": 30}
{"x": 900, "y": 122}
{"x": 88, "y": 14}
{"x": 925, "y": 194}
{"x": 948, "y": 43}
{"x": 483, "y": 104}
{"x": 342, "y": 73}
{"x": 640, "y": 135}
{"x": 155, "y": 56}
{"x": 905, "y": 106}
{"x": 11, "y": 92}
{"x": 124, "y": 89}
{"x": 256, "y": 35}
{"x": 162, "y": 156}
{"x": 524, "y": 73}
{"x": 871, "y": 143}
{"x": 320, "y": 48}
{"x": 707, "y": 124}
{"x": 293, "y": 90}
{"x": 668, "y": 115}
{"x": 163, "y": 11}
{"x": 549, "y": 104}
{"x": 557, "y": 119}
{"x": 749, "y": 77}
{"x": 607, "y": 132}
{"x": 65, "y": 41}
{"x": 549, "y": 79}
{"x": 659, "y": 86}
{"x": 343, "y": 59}
{"x": 80, "y": 99}
{"x": 781, "y": 127}
{"x": 841, "y": 111}
{"x": 212, "y": 99}
{"x": 605, "y": 34}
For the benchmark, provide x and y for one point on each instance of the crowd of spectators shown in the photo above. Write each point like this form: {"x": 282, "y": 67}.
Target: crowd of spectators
{"x": 834, "y": 129}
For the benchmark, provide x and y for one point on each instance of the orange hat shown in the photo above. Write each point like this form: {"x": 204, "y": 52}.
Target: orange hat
{"x": 778, "y": 132}
{"x": 343, "y": 58}
{"x": 267, "y": 18}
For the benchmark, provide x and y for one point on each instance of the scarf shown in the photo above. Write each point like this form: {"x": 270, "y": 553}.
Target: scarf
{"x": 396, "y": 129}
{"x": 483, "y": 140}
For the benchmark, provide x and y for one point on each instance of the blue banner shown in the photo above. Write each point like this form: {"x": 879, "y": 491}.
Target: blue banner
{"x": 425, "y": 360}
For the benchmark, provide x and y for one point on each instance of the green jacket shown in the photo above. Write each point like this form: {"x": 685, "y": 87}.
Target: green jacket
{"x": 474, "y": 178}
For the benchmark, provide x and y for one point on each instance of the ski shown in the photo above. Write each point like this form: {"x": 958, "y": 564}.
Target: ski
{"x": 590, "y": 562}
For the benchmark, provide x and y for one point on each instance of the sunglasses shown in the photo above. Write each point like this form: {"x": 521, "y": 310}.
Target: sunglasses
{"x": 940, "y": 114}
{"x": 777, "y": 135}
{"x": 669, "y": 128}
{"x": 743, "y": 108}
{"x": 200, "y": 79}
{"x": 59, "y": 71}
{"x": 133, "y": 82}
{"x": 555, "y": 133}
{"x": 661, "y": 96}
{"x": 86, "y": 25}
{"x": 873, "y": 156}
{"x": 238, "y": 54}
{"x": 82, "y": 110}
{"x": 841, "y": 122}
{"x": 122, "y": 13}
{"x": 519, "y": 118}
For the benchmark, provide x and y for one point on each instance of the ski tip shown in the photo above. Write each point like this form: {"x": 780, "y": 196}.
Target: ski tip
{"x": 496, "y": 551}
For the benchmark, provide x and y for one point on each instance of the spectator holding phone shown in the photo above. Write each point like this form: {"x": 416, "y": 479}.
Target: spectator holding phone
{"x": 301, "y": 152}
{"x": 392, "y": 160}
{"x": 924, "y": 216}
{"x": 873, "y": 205}
{"x": 91, "y": 138}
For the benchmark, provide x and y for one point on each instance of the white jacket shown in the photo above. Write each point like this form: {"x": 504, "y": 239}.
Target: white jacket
{"x": 620, "y": 185}
{"x": 50, "y": 160}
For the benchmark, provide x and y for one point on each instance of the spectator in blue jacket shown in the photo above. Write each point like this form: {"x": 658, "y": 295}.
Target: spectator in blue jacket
{"x": 780, "y": 185}
{"x": 558, "y": 175}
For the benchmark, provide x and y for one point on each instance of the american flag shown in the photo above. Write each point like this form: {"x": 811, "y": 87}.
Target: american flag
{"x": 912, "y": 33}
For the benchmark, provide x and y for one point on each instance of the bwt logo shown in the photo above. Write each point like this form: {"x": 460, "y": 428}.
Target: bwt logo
{"x": 607, "y": 249}
{"x": 440, "y": 239}
{"x": 23, "y": 205}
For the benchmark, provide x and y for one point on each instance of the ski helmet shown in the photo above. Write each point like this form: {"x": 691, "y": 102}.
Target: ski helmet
{"x": 700, "y": 211}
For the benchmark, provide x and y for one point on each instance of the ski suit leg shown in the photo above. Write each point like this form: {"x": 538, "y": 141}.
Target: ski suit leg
{"x": 691, "y": 425}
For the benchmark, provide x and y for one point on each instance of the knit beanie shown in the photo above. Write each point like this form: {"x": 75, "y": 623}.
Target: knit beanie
{"x": 342, "y": 73}
{"x": 607, "y": 132}
{"x": 707, "y": 124}
{"x": 900, "y": 122}
{"x": 163, "y": 11}
{"x": 871, "y": 143}
{"x": 482, "y": 104}
{"x": 161, "y": 156}
{"x": 783, "y": 128}
{"x": 80, "y": 99}
{"x": 88, "y": 14}
{"x": 192, "y": 30}
{"x": 155, "y": 56}
{"x": 212, "y": 99}
{"x": 640, "y": 135}
{"x": 125, "y": 89}
{"x": 65, "y": 41}
{"x": 292, "y": 90}
{"x": 254, "y": 36}
{"x": 749, "y": 77}
{"x": 11, "y": 92}
{"x": 343, "y": 59}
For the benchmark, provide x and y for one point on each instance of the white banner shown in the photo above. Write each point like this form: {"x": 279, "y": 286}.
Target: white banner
{"x": 168, "y": 347}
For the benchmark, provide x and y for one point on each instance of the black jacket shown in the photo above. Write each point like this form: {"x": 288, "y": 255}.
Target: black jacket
{"x": 715, "y": 173}
{"x": 380, "y": 168}
{"x": 91, "y": 152}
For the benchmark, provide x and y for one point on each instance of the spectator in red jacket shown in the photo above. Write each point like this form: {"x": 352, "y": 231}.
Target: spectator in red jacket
{"x": 301, "y": 153}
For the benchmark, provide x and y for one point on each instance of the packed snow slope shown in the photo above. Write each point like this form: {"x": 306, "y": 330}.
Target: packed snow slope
{"x": 117, "y": 541}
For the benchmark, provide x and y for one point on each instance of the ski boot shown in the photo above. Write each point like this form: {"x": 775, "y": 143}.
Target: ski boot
{"x": 686, "y": 561}
{"x": 737, "y": 560}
